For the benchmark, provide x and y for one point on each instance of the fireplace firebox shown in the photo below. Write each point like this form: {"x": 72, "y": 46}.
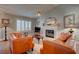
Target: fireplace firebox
{"x": 50, "y": 33}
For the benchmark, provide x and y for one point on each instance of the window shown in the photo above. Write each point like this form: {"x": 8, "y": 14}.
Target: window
{"x": 23, "y": 25}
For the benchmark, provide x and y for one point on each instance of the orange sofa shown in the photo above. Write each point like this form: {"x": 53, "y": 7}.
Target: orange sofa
{"x": 54, "y": 48}
{"x": 58, "y": 46}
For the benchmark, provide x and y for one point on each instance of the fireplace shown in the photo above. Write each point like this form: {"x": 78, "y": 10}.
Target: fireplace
{"x": 50, "y": 33}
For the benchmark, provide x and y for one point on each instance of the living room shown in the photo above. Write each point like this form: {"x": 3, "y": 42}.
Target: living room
{"x": 22, "y": 25}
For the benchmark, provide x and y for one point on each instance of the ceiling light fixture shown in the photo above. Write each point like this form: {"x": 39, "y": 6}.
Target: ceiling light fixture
{"x": 38, "y": 12}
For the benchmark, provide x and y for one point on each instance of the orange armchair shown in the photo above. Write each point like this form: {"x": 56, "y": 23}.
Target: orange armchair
{"x": 20, "y": 44}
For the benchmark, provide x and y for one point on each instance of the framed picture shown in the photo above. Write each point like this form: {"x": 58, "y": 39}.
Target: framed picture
{"x": 69, "y": 20}
{"x": 5, "y": 22}
{"x": 50, "y": 21}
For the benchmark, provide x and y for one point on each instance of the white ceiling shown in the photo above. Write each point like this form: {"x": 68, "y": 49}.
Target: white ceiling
{"x": 28, "y": 10}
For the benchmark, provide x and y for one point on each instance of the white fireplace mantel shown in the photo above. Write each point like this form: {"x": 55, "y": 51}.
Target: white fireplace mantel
{"x": 44, "y": 28}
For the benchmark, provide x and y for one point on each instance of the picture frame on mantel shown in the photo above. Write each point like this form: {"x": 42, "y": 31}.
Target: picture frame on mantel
{"x": 69, "y": 20}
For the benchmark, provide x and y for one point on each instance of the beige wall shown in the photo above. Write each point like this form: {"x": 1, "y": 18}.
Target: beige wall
{"x": 59, "y": 12}
{"x": 12, "y": 25}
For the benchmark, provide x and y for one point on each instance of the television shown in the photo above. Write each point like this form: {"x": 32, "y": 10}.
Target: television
{"x": 37, "y": 29}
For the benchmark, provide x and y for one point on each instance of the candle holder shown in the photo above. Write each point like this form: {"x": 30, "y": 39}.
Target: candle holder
{"x": 71, "y": 31}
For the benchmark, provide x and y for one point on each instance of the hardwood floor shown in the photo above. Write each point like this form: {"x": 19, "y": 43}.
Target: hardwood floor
{"x": 5, "y": 47}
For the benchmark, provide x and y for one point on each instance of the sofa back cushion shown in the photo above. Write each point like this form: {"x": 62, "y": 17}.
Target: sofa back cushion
{"x": 16, "y": 35}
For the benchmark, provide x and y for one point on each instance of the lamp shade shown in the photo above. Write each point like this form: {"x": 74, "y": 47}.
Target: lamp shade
{"x": 5, "y": 22}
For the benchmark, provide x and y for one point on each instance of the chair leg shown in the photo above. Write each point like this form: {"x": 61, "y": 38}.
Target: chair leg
{"x": 32, "y": 49}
